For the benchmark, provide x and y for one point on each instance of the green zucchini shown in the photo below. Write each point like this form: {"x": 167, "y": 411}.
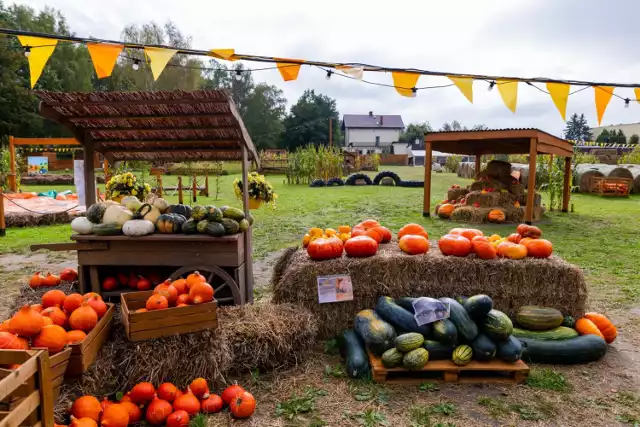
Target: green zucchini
{"x": 466, "y": 327}
{"x": 556, "y": 334}
{"x": 510, "y": 350}
{"x": 108, "y": 229}
{"x": 438, "y": 350}
{"x": 583, "y": 349}
{"x": 483, "y": 348}
{"x": 377, "y": 334}
{"x": 354, "y": 354}
{"x": 445, "y": 331}
{"x": 399, "y": 318}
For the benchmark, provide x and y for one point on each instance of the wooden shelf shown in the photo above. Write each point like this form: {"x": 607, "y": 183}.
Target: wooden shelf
{"x": 158, "y": 237}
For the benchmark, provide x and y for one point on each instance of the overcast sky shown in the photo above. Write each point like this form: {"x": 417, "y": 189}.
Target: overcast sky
{"x": 568, "y": 39}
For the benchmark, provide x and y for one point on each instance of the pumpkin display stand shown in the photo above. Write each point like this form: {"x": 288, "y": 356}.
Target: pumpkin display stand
{"x": 550, "y": 282}
{"x": 495, "y": 196}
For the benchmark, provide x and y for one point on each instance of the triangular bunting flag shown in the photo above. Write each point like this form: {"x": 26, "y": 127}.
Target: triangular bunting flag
{"x": 560, "y": 95}
{"x": 509, "y": 92}
{"x": 355, "y": 72}
{"x": 603, "y": 96}
{"x": 465, "y": 84}
{"x": 288, "y": 70}
{"x": 405, "y": 82}
{"x": 40, "y": 50}
{"x": 104, "y": 57}
{"x": 637, "y": 92}
{"x": 158, "y": 59}
{"x": 226, "y": 54}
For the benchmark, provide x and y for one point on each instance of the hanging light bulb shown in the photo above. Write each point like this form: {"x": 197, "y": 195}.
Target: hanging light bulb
{"x": 238, "y": 74}
{"x": 136, "y": 64}
{"x": 626, "y": 103}
{"x": 491, "y": 85}
{"x": 414, "y": 92}
{"x": 27, "y": 51}
{"x": 329, "y": 72}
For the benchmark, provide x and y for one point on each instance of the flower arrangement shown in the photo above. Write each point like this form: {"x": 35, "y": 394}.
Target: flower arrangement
{"x": 126, "y": 184}
{"x": 260, "y": 190}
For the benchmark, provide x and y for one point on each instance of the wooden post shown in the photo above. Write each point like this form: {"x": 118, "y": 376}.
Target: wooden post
{"x": 248, "y": 245}
{"x": 330, "y": 131}
{"x": 531, "y": 190}
{"x": 3, "y": 224}
{"x": 13, "y": 177}
{"x": 194, "y": 187}
{"x": 180, "y": 190}
{"x": 98, "y": 198}
{"x": 89, "y": 172}
{"x": 566, "y": 191}
{"x": 478, "y": 163}
{"x": 427, "y": 179}
{"x": 105, "y": 169}
{"x": 159, "y": 181}
{"x": 206, "y": 184}
{"x": 46, "y": 390}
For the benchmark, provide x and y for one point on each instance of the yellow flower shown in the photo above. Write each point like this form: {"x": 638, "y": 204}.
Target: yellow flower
{"x": 134, "y": 193}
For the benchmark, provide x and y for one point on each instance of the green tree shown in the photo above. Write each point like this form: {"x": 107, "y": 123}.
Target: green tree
{"x": 415, "y": 131}
{"x": 578, "y": 129}
{"x": 457, "y": 126}
{"x": 605, "y": 136}
{"x": 634, "y": 139}
{"x": 308, "y": 121}
{"x": 618, "y": 137}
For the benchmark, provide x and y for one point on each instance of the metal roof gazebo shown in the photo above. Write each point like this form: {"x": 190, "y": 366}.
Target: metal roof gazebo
{"x": 500, "y": 141}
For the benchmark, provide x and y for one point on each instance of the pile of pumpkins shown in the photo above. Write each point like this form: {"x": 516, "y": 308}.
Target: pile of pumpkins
{"x": 58, "y": 320}
{"x": 180, "y": 293}
{"x": 360, "y": 241}
{"x": 134, "y": 218}
{"x": 166, "y": 405}
{"x": 49, "y": 280}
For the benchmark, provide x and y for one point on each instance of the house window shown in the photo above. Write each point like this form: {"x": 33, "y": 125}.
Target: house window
{"x": 377, "y": 141}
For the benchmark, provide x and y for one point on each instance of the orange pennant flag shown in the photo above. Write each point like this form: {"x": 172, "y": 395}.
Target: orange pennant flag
{"x": 560, "y": 95}
{"x": 288, "y": 70}
{"x": 158, "y": 59}
{"x": 405, "y": 83}
{"x": 226, "y": 54}
{"x": 603, "y": 96}
{"x": 465, "y": 84}
{"x": 637, "y": 92}
{"x": 509, "y": 92}
{"x": 40, "y": 50}
{"x": 104, "y": 57}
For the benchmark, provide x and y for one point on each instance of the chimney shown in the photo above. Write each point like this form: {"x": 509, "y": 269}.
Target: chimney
{"x": 370, "y": 113}
{"x": 381, "y": 120}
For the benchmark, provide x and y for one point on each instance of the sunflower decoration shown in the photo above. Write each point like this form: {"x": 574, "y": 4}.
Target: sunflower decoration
{"x": 259, "y": 189}
{"x": 126, "y": 184}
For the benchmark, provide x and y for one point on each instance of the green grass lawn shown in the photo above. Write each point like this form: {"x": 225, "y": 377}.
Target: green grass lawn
{"x": 601, "y": 235}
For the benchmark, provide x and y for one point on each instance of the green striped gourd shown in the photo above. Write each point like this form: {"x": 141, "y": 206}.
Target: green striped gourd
{"x": 462, "y": 355}
{"x": 392, "y": 358}
{"x": 409, "y": 341}
{"x": 415, "y": 359}
{"x": 536, "y": 318}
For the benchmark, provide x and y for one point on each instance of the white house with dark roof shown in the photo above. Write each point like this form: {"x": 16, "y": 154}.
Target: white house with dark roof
{"x": 371, "y": 133}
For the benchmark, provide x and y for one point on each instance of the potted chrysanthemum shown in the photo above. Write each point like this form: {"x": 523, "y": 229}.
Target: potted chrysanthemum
{"x": 126, "y": 184}
{"x": 260, "y": 191}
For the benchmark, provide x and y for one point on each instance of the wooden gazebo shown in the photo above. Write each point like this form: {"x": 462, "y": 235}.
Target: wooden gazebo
{"x": 500, "y": 141}
{"x": 159, "y": 126}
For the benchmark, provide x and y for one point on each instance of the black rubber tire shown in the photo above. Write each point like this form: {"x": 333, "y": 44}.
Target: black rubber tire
{"x": 356, "y": 176}
{"x": 387, "y": 174}
{"x": 317, "y": 183}
{"x": 335, "y": 181}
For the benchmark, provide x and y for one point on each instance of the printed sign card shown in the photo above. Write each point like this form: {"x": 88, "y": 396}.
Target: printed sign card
{"x": 429, "y": 310}
{"x": 334, "y": 288}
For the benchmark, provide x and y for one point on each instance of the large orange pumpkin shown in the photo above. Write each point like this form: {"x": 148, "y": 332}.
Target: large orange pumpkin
{"x": 58, "y": 316}
{"x": 54, "y": 298}
{"x": 455, "y": 245}
{"x": 26, "y": 322}
{"x": 201, "y": 293}
{"x": 322, "y": 249}
{"x": 414, "y": 229}
{"x": 606, "y": 327}
{"x": 52, "y": 337}
{"x": 413, "y": 244}
{"x": 469, "y": 233}
{"x": 243, "y": 405}
{"x": 83, "y": 318}
{"x": 445, "y": 210}
{"x": 512, "y": 250}
{"x": 539, "y": 248}
{"x": 496, "y": 215}
{"x": 361, "y": 246}
{"x": 115, "y": 415}
{"x": 86, "y": 406}
{"x": 483, "y": 248}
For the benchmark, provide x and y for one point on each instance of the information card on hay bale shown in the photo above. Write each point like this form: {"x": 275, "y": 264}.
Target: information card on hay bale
{"x": 334, "y": 289}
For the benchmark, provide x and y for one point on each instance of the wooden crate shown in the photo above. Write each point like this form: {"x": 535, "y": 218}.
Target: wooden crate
{"x": 164, "y": 323}
{"x": 58, "y": 364}
{"x": 609, "y": 186}
{"x": 494, "y": 371}
{"x": 26, "y": 394}
{"x": 84, "y": 353}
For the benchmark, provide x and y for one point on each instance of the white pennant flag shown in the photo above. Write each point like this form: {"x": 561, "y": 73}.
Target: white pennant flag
{"x": 355, "y": 72}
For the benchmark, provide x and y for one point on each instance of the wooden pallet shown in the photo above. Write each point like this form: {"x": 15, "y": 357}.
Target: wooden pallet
{"x": 446, "y": 371}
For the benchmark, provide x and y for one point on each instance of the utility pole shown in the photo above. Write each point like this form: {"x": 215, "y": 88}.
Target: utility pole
{"x": 330, "y": 131}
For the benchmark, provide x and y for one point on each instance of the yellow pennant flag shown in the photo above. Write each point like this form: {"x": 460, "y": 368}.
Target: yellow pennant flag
{"x": 509, "y": 92}
{"x": 603, "y": 96}
{"x": 405, "y": 82}
{"x": 560, "y": 95}
{"x": 158, "y": 59}
{"x": 226, "y": 54}
{"x": 637, "y": 92}
{"x": 38, "y": 56}
{"x": 465, "y": 84}
{"x": 104, "y": 57}
{"x": 355, "y": 72}
{"x": 288, "y": 70}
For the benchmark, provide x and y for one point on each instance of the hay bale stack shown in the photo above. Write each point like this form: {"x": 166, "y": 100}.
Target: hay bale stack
{"x": 466, "y": 170}
{"x": 490, "y": 183}
{"x": 635, "y": 171}
{"x": 28, "y": 219}
{"x": 498, "y": 170}
{"x": 622, "y": 172}
{"x": 585, "y": 172}
{"x": 456, "y": 193}
{"x": 470, "y": 214}
{"x": 537, "y": 199}
{"x": 550, "y": 282}
{"x": 493, "y": 199}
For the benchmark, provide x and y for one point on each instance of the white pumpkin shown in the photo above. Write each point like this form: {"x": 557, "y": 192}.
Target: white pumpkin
{"x": 138, "y": 227}
{"x": 111, "y": 203}
{"x": 152, "y": 215}
{"x": 81, "y": 225}
{"x": 117, "y": 214}
{"x": 161, "y": 204}
{"x": 132, "y": 204}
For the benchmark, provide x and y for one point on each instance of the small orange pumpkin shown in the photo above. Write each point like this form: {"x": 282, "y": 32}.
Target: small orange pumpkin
{"x": 91, "y": 295}
{"x": 9, "y": 341}
{"x": 51, "y": 337}
{"x": 157, "y": 302}
{"x": 57, "y": 316}
{"x": 98, "y": 305}
{"x": 512, "y": 250}
{"x": 35, "y": 281}
{"x": 211, "y": 405}
{"x": 200, "y": 388}
{"x": 200, "y": 293}
{"x": 182, "y": 299}
{"x": 538, "y": 248}
{"x": 415, "y": 229}
{"x": 83, "y": 422}
{"x": 413, "y": 244}
{"x": 158, "y": 411}
{"x": 26, "y": 322}
{"x": 178, "y": 418}
{"x": 135, "y": 414}
{"x": 194, "y": 278}
{"x": 168, "y": 291}
{"x": 181, "y": 286}
{"x": 86, "y": 407}
{"x": 37, "y": 307}
{"x": 54, "y": 298}
{"x": 230, "y": 392}
{"x": 84, "y": 318}
{"x": 167, "y": 391}
{"x": 51, "y": 280}
{"x": 142, "y": 393}
{"x": 75, "y": 336}
{"x": 71, "y": 302}
{"x": 115, "y": 415}
{"x": 242, "y": 405}
{"x": 5, "y": 326}
{"x": 187, "y": 402}
{"x": 496, "y": 215}
{"x": 445, "y": 210}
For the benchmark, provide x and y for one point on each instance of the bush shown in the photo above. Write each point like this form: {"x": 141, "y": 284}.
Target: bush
{"x": 452, "y": 163}
{"x": 631, "y": 158}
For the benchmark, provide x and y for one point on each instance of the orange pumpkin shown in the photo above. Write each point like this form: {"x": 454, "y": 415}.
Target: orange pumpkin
{"x": 141, "y": 310}
{"x": 68, "y": 275}
{"x": 361, "y": 246}
{"x": 35, "y": 281}
{"x": 606, "y": 327}
{"x": 51, "y": 280}
{"x": 585, "y": 326}
{"x": 496, "y": 215}
{"x": 469, "y": 233}
{"x": 6, "y": 326}
{"x": 243, "y": 405}
{"x": 512, "y": 250}
{"x": 514, "y": 238}
{"x": 157, "y": 302}
{"x": 413, "y": 244}
{"x": 26, "y": 322}
{"x": 531, "y": 231}
{"x": 86, "y": 407}
{"x": 445, "y": 210}
{"x": 200, "y": 293}
{"x": 230, "y": 392}
{"x": 168, "y": 291}
{"x": 199, "y": 388}
{"x": 98, "y": 305}
{"x": 158, "y": 411}
{"x": 53, "y": 298}
{"x": 91, "y": 295}
{"x": 9, "y": 341}
{"x": 57, "y": 316}
{"x": 84, "y": 318}
{"x": 115, "y": 415}
{"x": 182, "y": 299}
{"x": 322, "y": 249}
{"x": 187, "y": 402}
{"x": 386, "y": 234}
{"x": 455, "y": 245}
{"x": 142, "y": 393}
{"x": 37, "y": 307}
{"x": 483, "y": 248}
{"x": 47, "y": 321}
{"x": 71, "y": 302}
{"x": 83, "y": 422}
{"x": 178, "y": 418}
{"x": 181, "y": 286}
{"x": 344, "y": 229}
{"x": 369, "y": 223}
{"x": 51, "y": 337}
{"x": 167, "y": 391}
{"x": 135, "y": 414}
{"x": 539, "y": 248}
{"x": 211, "y": 405}
{"x": 75, "y": 336}
{"x": 413, "y": 229}
{"x": 194, "y": 278}
{"x": 375, "y": 233}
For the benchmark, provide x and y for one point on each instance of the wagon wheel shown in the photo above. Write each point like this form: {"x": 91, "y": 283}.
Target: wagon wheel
{"x": 226, "y": 289}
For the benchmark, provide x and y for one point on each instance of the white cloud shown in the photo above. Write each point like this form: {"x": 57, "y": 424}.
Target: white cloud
{"x": 575, "y": 39}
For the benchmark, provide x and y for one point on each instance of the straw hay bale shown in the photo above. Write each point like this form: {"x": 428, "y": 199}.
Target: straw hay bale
{"x": 493, "y": 199}
{"x": 511, "y": 283}
{"x": 28, "y": 219}
{"x": 34, "y": 296}
{"x": 470, "y": 214}
{"x": 456, "y": 193}
{"x": 498, "y": 170}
